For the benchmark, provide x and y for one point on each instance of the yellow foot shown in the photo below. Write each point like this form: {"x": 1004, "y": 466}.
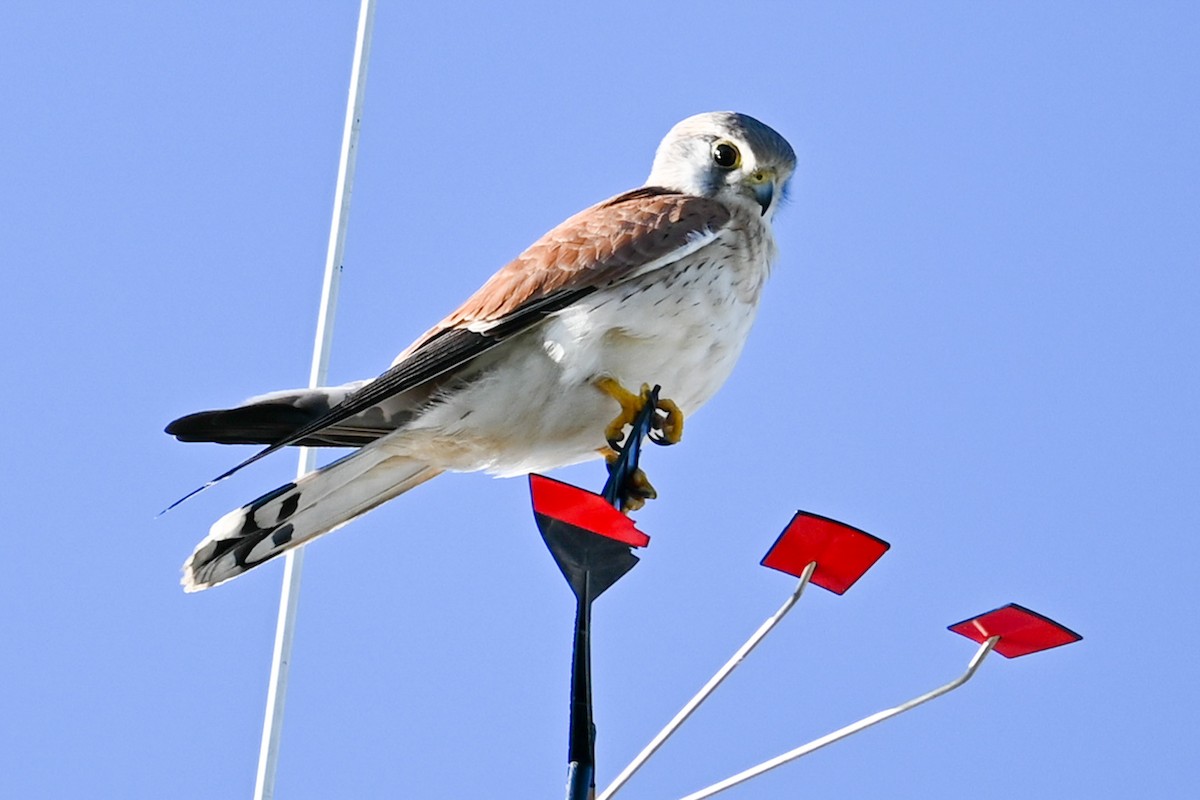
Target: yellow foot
{"x": 630, "y": 403}
{"x": 667, "y": 426}
{"x": 637, "y": 489}
{"x": 669, "y": 423}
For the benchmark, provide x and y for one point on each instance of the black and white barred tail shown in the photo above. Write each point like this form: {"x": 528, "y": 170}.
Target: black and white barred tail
{"x": 298, "y": 512}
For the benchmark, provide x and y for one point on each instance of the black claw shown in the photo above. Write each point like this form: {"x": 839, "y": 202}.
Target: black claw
{"x": 660, "y": 439}
{"x": 655, "y": 433}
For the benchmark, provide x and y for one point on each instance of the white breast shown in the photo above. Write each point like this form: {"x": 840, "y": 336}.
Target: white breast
{"x": 681, "y": 327}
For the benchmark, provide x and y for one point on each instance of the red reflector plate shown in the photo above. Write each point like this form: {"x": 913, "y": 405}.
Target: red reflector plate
{"x": 583, "y": 509}
{"x": 1021, "y": 631}
{"x": 843, "y": 553}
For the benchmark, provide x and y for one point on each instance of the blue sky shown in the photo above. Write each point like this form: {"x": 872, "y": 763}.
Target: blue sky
{"x": 980, "y": 344}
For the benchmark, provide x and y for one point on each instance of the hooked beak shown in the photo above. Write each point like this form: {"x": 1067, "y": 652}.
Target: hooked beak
{"x": 763, "y": 182}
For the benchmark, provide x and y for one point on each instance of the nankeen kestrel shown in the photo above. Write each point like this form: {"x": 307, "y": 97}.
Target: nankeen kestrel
{"x": 658, "y": 285}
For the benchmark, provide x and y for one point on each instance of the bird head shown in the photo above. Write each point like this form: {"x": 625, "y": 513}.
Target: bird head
{"x": 726, "y": 156}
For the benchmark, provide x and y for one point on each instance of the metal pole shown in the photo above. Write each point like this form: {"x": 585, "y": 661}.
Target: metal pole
{"x": 850, "y": 729}
{"x": 711, "y": 686}
{"x": 581, "y": 747}
{"x": 268, "y": 756}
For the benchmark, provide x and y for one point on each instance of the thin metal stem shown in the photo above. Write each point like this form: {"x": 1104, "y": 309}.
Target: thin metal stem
{"x": 268, "y": 756}
{"x": 581, "y": 748}
{"x": 711, "y": 686}
{"x": 849, "y": 730}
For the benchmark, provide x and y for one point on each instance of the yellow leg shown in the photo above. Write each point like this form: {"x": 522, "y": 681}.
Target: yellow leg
{"x": 670, "y": 424}
{"x": 630, "y": 404}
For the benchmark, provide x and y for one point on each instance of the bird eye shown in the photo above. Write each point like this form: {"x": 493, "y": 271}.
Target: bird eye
{"x": 725, "y": 155}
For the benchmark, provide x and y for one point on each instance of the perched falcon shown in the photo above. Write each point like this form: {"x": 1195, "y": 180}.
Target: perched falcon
{"x": 658, "y": 285}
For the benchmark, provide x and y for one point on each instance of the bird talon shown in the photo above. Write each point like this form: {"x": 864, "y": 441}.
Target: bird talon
{"x": 666, "y": 428}
{"x": 631, "y": 404}
{"x": 668, "y": 425}
{"x": 638, "y": 490}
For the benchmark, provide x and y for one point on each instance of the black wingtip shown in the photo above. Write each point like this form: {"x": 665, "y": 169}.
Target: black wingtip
{"x": 187, "y": 427}
{"x": 258, "y": 423}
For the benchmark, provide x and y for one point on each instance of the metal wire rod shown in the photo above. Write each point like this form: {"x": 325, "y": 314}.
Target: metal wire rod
{"x": 711, "y": 686}
{"x": 268, "y": 756}
{"x": 849, "y": 730}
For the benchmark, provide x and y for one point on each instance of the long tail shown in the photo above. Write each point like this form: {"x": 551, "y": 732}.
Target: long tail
{"x": 297, "y": 513}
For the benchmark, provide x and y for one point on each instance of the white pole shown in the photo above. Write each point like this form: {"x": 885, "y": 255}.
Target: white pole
{"x": 710, "y": 687}
{"x": 849, "y": 730}
{"x": 268, "y": 755}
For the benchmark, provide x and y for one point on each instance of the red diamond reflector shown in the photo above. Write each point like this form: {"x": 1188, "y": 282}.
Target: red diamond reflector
{"x": 1021, "y": 631}
{"x": 583, "y": 509}
{"x": 843, "y": 553}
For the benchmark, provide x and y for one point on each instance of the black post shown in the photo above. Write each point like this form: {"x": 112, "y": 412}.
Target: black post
{"x": 592, "y": 559}
{"x": 581, "y": 747}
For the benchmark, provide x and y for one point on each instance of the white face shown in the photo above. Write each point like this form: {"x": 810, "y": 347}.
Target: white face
{"x": 726, "y": 156}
